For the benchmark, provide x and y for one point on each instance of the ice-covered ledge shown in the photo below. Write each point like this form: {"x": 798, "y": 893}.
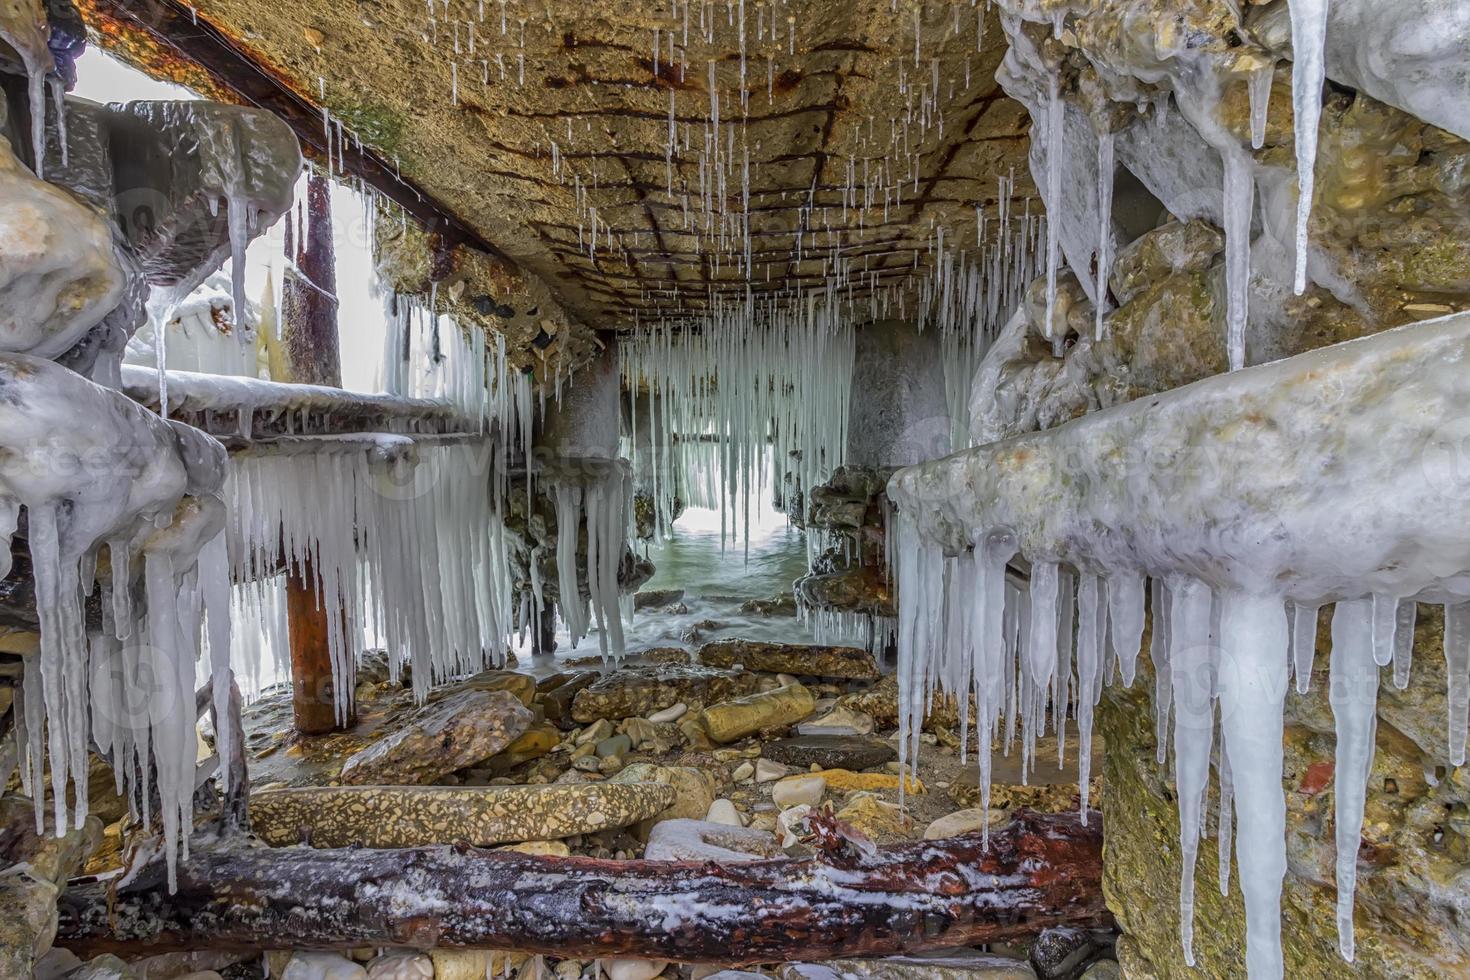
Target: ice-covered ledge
{"x": 1325, "y": 476}
{"x": 239, "y": 410}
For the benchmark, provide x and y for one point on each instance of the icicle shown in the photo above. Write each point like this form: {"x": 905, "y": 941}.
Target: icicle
{"x": 1354, "y": 699}
{"x": 1252, "y": 685}
{"x": 1045, "y": 579}
{"x": 1308, "y": 43}
{"x": 1091, "y": 620}
{"x": 1259, "y": 90}
{"x": 1160, "y": 605}
{"x": 1125, "y": 614}
{"x": 1054, "y": 136}
{"x": 1457, "y": 671}
{"x": 1105, "y": 173}
{"x": 1403, "y": 643}
{"x": 1303, "y": 643}
{"x": 1191, "y": 667}
{"x": 1239, "y": 204}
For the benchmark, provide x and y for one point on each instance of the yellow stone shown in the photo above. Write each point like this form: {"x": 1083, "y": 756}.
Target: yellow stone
{"x": 732, "y": 720}
{"x": 474, "y": 964}
{"x": 847, "y": 781}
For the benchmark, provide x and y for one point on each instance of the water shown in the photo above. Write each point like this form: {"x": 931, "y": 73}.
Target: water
{"x": 716, "y": 584}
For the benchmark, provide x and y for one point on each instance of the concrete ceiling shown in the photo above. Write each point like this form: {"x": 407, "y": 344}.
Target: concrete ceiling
{"x": 524, "y": 134}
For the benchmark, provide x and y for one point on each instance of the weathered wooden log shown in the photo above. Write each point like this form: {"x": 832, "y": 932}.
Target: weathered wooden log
{"x": 1039, "y": 871}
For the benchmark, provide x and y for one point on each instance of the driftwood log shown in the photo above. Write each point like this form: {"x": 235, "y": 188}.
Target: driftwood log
{"x": 1039, "y": 871}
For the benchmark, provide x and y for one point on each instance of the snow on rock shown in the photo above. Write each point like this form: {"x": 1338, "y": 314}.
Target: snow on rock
{"x": 322, "y": 966}
{"x": 1333, "y": 476}
{"x": 203, "y": 334}
{"x": 59, "y": 272}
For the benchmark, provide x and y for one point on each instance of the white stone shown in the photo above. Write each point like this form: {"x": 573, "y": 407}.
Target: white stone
{"x": 960, "y": 822}
{"x": 799, "y": 791}
{"x": 839, "y": 721}
{"x": 670, "y": 714}
{"x": 401, "y": 966}
{"x": 631, "y": 969}
{"x": 322, "y": 966}
{"x": 724, "y": 812}
{"x": 743, "y": 772}
{"x": 767, "y": 771}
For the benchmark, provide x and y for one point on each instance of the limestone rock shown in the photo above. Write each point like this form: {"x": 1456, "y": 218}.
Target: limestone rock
{"x": 401, "y": 966}
{"x": 723, "y": 813}
{"x": 846, "y": 781}
{"x": 634, "y": 969}
{"x": 523, "y": 686}
{"x": 694, "y": 789}
{"x": 440, "y": 738}
{"x": 766, "y": 771}
{"x": 557, "y": 692}
{"x": 106, "y": 967}
{"x": 881, "y": 701}
{"x": 860, "y": 589}
{"x": 798, "y": 791}
{"x": 637, "y": 692}
{"x": 656, "y": 598}
{"x": 39, "y": 866}
{"x": 841, "y": 721}
{"x": 670, "y": 714}
{"x": 543, "y": 848}
{"x": 830, "y": 752}
{"x": 962, "y": 822}
{"x": 874, "y": 816}
{"x": 412, "y": 816}
{"x": 322, "y": 966}
{"x": 531, "y": 744}
{"x": 59, "y": 274}
{"x": 732, "y": 720}
{"x": 699, "y": 840}
{"x": 804, "y": 660}
{"x": 474, "y": 964}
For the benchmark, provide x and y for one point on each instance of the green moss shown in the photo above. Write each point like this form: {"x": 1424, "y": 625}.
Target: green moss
{"x": 375, "y": 126}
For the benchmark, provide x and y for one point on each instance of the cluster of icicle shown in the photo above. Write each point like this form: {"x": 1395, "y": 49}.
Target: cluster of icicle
{"x": 412, "y": 550}
{"x": 750, "y": 377}
{"x": 1029, "y": 652}
{"x": 431, "y": 355}
{"x": 604, "y": 498}
{"x": 128, "y": 685}
{"x": 970, "y": 295}
{"x": 23, "y": 26}
{"x": 1198, "y": 90}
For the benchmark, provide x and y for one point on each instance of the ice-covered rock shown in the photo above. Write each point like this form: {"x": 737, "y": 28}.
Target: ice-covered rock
{"x": 322, "y": 966}
{"x": 59, "y": 272}
{"x": 698, "y": 840}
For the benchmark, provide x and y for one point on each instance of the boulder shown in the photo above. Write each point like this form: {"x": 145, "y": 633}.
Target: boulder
{"x": 656, "y": 598}
{"x": 459, "y": 731}
{"x": 805, "y": 660}
{"x": 474, "y": 964}
{"x": 732, "y": 720}
{"x": 640, "y": 691}
{"x": 841, "y": 721}
{"x": 830, "y": 752}
{"x": 322, "y": 966}
{"x": 799, "y": 791}
{"x": 414, "y": 816}
{"x": 962, "y": 822}
{"x": 401, "y": 966}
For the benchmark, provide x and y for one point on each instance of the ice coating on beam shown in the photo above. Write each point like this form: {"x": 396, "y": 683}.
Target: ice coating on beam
{"x": 1327, "y": 477}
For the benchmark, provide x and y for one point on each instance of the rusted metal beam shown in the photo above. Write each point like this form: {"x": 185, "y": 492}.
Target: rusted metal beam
{"x": 175, "y": 28}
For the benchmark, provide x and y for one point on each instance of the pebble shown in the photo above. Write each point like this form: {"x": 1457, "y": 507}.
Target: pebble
{"x": 596, "y": 732}
{"x": 630, "y": 969}
{"x": 401, "y": 966}
{"x": 616, "y": 745}
{"x": 568, "y": 970}
{"x": 610, "y": 765}
{"x": 786, "y": 679}
{"x": 961, "y": 822}
{"x": 799, "y": 791}
{"x": 723, "y": 812}
{"x": 743, "y": 772}
{"x": 767, "y": 771}
{"x": 587, "y": 763}
{"x": 670, "y": 714}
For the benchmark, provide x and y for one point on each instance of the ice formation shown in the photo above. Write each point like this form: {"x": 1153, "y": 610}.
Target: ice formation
{"x": 600, "y": 491}
{"x": 23, "y": 26}
{"x": 1308, "y": 45}
{"x": 1174, "y": 488}
{"x": 403, "y": 535}
{"x": 784, "y": 373}
{"x": 112, "y": 476}
{"x": 206, "y": 334}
